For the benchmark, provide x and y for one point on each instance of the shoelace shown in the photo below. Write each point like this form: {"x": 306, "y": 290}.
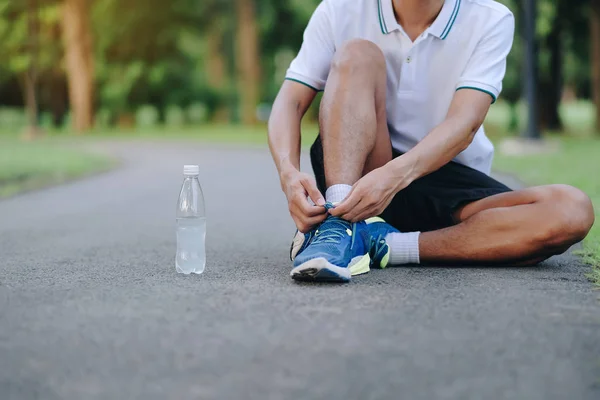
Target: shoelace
{"x": 329, "y": 206}
{"x": 332, "y": 230}
{"x": 377, "y": 245}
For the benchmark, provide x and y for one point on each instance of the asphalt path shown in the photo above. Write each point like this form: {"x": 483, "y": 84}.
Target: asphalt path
{"x": 91, "y": 306}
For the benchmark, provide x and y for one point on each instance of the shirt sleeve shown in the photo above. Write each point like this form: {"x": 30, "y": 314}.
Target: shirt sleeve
{"x": 487, "y": 65}
{"x": 311, "y": 65}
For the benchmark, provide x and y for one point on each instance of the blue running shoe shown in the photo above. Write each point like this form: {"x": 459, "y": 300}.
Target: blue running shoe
{"x": 300, "y": 242}
{"x": 338, "y": 250}
{"x": 379, "y": 249}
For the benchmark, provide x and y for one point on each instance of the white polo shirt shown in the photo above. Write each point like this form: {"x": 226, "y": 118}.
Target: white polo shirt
{"x": 465, "y": 47}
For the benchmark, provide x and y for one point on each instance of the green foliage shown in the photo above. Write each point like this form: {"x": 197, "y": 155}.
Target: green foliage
{"x": 67, "y": 121}
{"x": 577, "y": 116}
{"x": 147, "y": 116}
{"x": 16, "y": 43}
{"x": 104, "y": 118}
{"x": 45, "y": 121}
{"x": 174, "y": 117}
{"x": 197, "y": 113}
{"x": 12, "y": 118}
{"x": 152, "y": 52}
{"x": 118, "y": 82}
{"x": 146, "y": 52}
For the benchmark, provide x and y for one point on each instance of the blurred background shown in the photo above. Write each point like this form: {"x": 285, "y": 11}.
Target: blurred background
{"x": 78, "y": 70}
{"x": 77, "y": 65}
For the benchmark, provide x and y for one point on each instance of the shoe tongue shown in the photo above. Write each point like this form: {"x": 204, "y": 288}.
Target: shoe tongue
{"x": 331, "y": 220}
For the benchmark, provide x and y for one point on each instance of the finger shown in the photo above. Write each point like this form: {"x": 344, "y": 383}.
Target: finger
{"x": 347, "y": 205}
{"x": 310, "y": 211}
{"x": 371, "y": 210}
{"x": 313, "y": 192}
{"x": 304, "y": 208}
{"x": 364, "y": 215}
{"x": 297, "y": 222}
{"x": 313, "y": 221}
{"x": 352, "y": 215}
{"x": 306, "y": 224}
{"x": 365, "y": 207}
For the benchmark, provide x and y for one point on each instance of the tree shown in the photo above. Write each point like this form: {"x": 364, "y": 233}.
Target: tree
{"x": 218, "y": 29}
{"x": 79, "y": 62}
{"x": 216, "y": 66}
{"x": 31, "y": 76}
{"x": 248, "y": 61}
{"x": 550, "y": 82}
{"x": 595, "y": 56}
{"x": 30, "y": 53}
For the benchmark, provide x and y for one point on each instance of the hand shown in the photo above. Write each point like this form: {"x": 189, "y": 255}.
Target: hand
{"x": 297, "y": 186}
{"x": 370, "y": 195}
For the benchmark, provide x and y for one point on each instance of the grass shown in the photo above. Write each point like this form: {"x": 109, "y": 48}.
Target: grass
{"x": 575, "y": 163}
{"x": 28, "y": 166}
{"x": 577, "y": 116}
{"x": 218, "y": 133}
{"x": 56, "y": 158}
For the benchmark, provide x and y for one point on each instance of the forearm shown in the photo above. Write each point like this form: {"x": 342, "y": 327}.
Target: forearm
{"x": 284, "y": 137}
{"x": 284, "y": 125}
{"x": 436, "y": 149}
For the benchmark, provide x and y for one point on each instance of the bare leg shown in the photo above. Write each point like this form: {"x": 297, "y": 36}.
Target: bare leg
{"x": 353, "y": 119}
{"x": 517, "y": 228}
{"x": 522, "y": 227}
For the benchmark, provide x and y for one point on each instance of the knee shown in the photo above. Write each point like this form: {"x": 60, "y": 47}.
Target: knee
{"x": 358, "y": 56}
{"x": 570, "y": 217}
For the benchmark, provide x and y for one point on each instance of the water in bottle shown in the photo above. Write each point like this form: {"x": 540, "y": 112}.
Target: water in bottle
{"x": 191, "y": 224}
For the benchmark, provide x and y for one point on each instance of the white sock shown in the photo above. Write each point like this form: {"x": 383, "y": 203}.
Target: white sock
{"x": 337, "y": 193}
{"x": 404, "y": 247}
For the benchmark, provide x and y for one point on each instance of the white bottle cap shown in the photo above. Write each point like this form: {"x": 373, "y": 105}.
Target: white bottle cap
{"x": 191, "y": 170}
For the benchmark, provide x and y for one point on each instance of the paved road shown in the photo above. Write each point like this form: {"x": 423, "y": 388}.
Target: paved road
{"x": 91, "y": 306}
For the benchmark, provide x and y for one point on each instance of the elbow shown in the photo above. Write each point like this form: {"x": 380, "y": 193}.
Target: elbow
{"x": 468, "y": 139}
{"x": 471, "y": 131}
{"x": 475, "y": 123}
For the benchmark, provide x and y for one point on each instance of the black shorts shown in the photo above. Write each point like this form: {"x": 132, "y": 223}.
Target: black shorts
{"x": 429, "y": 203}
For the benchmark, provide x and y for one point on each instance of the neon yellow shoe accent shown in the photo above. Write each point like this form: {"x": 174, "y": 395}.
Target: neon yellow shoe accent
{"x": 361, "y": 266}
{"x": 385, "y": 260}
{"x": 374, "y": 219}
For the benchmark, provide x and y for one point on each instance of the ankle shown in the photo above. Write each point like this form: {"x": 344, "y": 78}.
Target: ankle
{"x": 337, "y": 193}
{"x": 404, "y": 248}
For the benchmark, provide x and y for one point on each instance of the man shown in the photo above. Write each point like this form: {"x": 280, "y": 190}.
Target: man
{"x": 407, "y": 85}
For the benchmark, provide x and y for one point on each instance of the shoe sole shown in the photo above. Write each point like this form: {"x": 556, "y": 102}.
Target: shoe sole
{"x": 321, "y": 270}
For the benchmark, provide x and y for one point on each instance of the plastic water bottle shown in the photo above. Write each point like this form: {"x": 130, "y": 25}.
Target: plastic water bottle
{"x": 191, "y": 224}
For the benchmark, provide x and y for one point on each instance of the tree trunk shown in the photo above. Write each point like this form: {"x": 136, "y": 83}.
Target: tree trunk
{"x": 31, "y": 76}
{"x": 79, "y": 62}
{"x": 595, "y": 57}
{"x": 248, "y": 60}
{"x": 31, "y": 106}
{"x": 215, "y": 63}
{"x": 57, "y": 97}
{"x": 550, "y": 85}
{"x": 513, "y": 122}
{"x": 216, "y": 69}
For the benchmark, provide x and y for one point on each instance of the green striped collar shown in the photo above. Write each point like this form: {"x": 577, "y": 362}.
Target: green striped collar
{"x": 445, "y": 20}
{"x": 387, "y": 19}
{"x": 440, "y": 28}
